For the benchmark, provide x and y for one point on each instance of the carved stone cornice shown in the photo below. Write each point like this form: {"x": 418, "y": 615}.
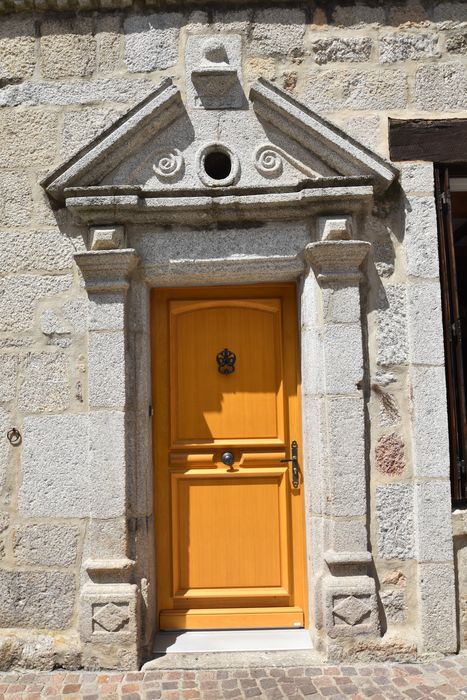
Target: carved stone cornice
{"x": 107, "y": 270}
{"x": 337, "y": 261}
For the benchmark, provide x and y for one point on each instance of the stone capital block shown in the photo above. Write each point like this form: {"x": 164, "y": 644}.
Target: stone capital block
{"x": 350, "y": 606}
{"x": 335, "y": 228}
{"x": 107, "y": 237}
{"x": 337, "y": 261}
{"x": 107, "y": 270}
{"x": 109, "y": 624}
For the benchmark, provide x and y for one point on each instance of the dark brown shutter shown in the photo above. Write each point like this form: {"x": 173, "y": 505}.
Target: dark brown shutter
{"x": 453, "y": 332}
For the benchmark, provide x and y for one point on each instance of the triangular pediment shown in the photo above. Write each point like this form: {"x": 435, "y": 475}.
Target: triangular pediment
{"x": 160, "y": 148}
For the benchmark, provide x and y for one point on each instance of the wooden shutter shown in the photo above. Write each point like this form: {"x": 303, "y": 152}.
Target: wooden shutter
{"x": 454, "y": 333}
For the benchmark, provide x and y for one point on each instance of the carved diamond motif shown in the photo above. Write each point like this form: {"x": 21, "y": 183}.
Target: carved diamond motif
{"x": 352, "y": 610}
{"x": 111, "y": 617}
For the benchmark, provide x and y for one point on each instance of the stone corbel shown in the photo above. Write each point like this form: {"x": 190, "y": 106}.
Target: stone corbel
{"x": 348, "y": 594}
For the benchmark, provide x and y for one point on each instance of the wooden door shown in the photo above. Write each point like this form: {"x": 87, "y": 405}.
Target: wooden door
{"x": 230, "y": 538}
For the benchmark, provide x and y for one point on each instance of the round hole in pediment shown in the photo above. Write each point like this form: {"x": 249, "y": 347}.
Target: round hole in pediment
{"x": 218, "y": 165}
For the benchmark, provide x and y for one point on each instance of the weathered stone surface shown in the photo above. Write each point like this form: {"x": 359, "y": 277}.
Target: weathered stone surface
{"x": 151, "y": 42}
{"x": 19, "y": 296}
{"x": 389, "y": 413}
{"x": 15, "y": 199}
{"x": 39, "y": 599}
{"x": 342, "y": 347}
{"x": 107, "y": 311}
{"x": 107, "y": 369}
{"x": 430, "y": 428}
{"x": 81, "y": 92}
{"x": 395, "y": 605}
{"x": 457, "y": 42}
{"x": 421, "y": 237}
{"x": 433, "y": 517}
{"x": 9, "y": 365}
{"x": 342, "y": 49}
{"x": 81, "y": 126}
{"x": 55, "y": 467}
{"x": 367, "y": 130}
{"x": 5, "y": 425}
{"x": 47, "y": 545}
{"x": 437, "y": 607}
{"x": 28, "y": 136}
{"x": 17, "y": 49}
{"x": 451, "y": 87}
{"x": 394, "y": 512}
{"x": 108, "y": 44}
{"x": 417, "y": 177}
{"x": 68, "y": 48}
{"x": 392, "y": 325}
{"x": 49, "y": 251}
{"x": 107, "y": 465}
{"x": 277, "y": 31}
{"x": 45, "y": 386}
{"x": 389, "y": 454}
{"x": 358, "y": 15}
{"x": 403, "y": 46}
{"x": 450, "y": 12}
{"x": 332, "y": 90}
{"x": 425, "y": 324}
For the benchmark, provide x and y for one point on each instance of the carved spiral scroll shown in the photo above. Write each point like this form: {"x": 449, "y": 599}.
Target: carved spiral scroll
{"x": 168, "y": 165}
{"x": 268, "y": 161}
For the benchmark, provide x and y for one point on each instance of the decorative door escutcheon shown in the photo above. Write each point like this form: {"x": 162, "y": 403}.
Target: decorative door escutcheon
{"x": 226, "y": 361}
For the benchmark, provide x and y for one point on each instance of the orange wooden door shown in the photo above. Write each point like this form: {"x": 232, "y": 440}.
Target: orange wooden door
{"x": 230, "y": 539}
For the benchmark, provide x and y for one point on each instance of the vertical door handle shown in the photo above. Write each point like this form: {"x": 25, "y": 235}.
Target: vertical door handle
{"x": 294, "y": 460}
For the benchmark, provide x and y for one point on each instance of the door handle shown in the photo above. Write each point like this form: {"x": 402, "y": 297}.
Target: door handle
{"x": 294, "y": 460}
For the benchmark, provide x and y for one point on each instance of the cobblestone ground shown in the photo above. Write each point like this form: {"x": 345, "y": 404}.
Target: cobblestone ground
{"x": 446, "y": 678}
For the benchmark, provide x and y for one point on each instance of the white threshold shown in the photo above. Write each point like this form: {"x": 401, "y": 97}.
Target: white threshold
{"x": 189, "y": 642}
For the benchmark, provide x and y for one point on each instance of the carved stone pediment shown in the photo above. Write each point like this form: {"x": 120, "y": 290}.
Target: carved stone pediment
{"x": 165, "y": 160}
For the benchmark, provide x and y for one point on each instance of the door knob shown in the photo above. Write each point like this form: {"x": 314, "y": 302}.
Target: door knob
{"x": 227, "y": 458}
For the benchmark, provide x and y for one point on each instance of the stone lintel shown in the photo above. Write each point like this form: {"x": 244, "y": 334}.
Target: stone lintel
{"x": 337, "y": 261}
{"x": 107, "y": 270}
{"x": 264, "y": 204}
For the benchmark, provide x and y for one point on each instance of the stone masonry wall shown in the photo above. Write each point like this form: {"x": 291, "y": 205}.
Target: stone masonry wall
{"x": 66, "y": 76}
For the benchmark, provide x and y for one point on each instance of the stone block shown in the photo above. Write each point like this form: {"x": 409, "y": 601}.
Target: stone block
{"x": 108, "y": 44}
{"x": 350, "y": 606}
{"x": 389, "y": 455}
{"x": 346, "y": 458}
{"x": 425, "y": 324}
{"x": 55, "y": 467}
{"x": 107, "y": 237}
{"x": 456, "y": 42}
{"x": 417, "y": 176}
{"x": 49, "y": 251}
{"x": 433, "y": 517}
{"x": 450, "y": 12}
{"x": 259, "y": 67}
{"x": 333, "y": 90}
{"x": 29, "y": 137}
{"x": 438, "y": 608}
{"x": 9, "y": 366}
{"x": 15, "y": 199}
{"x": 341, "y": 304}
{"x": 451, "y": 87}
{"x": 367, "y": 130}
{"x": 421, "y": 237}
{"x": 81, "y": 126}
{"x": 151, "y": 41}
{"x": 356, "y": 15}
{"x": 106, "y": 538}
{"x": 75, "y": 313}
{"x": 343, "y": 358}
{"x": 17, "y": 49}
{"x": 430, "y": 426}
{"x": 68, "y": 48}
{"x": 402, "y": 46}
{"x": 347, "y": 535}
{"x": 107, "y": 311}
{"x": 392, "y": 325}
{"x": 19, "y": 296}
{"x": 107, "y": 379}
{"x": 46, "y": 544}
{"x": 277, "y": 31}
{"x": 394, "y": 604}
{"x": 342, "y": 49}
{"x": 41, "y": 599}
{"x": 395, "y": 517}
{"x": 5, "y": 425}
{"x": 236, "y": 21}
{"x": 45, "y": 385}
{"x": 107, "y": 464}
{"x": 123, "y": 90}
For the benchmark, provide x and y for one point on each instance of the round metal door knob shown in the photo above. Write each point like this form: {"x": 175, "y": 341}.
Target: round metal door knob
{"x": 227, "y": 458}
